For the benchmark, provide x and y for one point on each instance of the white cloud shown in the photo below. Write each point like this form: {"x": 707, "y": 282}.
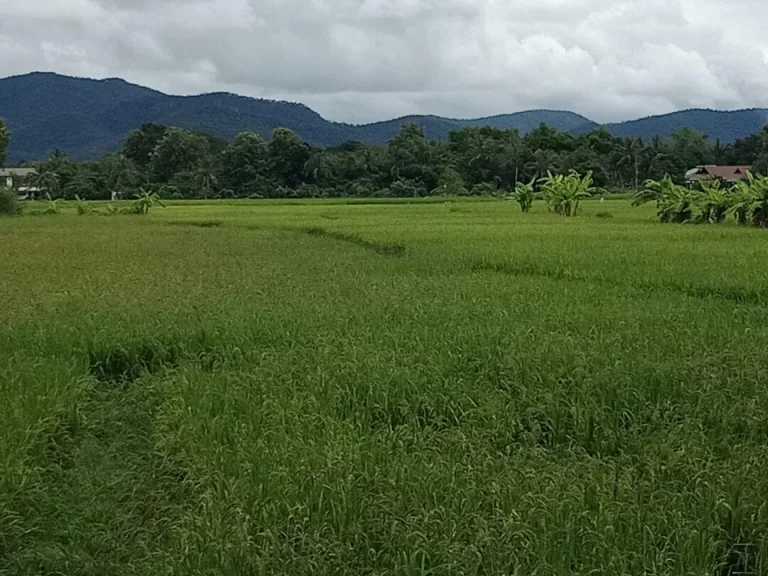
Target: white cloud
{"x": 366, "y": 60}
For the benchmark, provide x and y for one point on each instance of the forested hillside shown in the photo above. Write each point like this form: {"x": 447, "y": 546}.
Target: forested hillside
{"x": 87, "y": 118}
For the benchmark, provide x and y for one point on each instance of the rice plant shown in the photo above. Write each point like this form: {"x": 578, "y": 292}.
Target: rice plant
{"x": 398, "y": 390}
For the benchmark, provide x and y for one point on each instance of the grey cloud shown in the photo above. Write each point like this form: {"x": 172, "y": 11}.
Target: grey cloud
{"x": 365, "y": 60}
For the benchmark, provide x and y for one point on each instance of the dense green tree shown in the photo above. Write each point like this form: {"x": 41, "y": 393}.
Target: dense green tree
{"x": 547, "y": 138}
{"x": 760, "y": 163}
{"x": 411, "y": 157}
{"x": 140, "y": 144}
{"x": 585, "y": 159}
{"x": 450, "y": 183}
{"x": 486, "y": 154}
{"x": 600, "y": 141}
{"x": 55, "y": 174}
{"x": 690, "y": 149}
{"x": 5, "y": 138}
{"x": 82, "y": 184}
{"x": 543, "y": 161}
{"x": 288, "y": 155}
{"x": 245, "y": 165}
{"x": 474, "y": 160}
{"x": 178, "y": 154}
{"x": 116, "y": 173}
{"x": 745, "y": 152}
{"x": 320, "y": 169}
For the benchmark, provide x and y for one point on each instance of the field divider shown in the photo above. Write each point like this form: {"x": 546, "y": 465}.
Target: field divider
{"x": 395, "y": 249}
{"x": 735, "y": 295}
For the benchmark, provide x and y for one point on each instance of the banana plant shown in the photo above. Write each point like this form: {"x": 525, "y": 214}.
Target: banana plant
{"x": 564, "y": 193}
{"x": 53, "y": 205}
{"x": 145, "y": 200}
{"x": 674, "y": 203}
{"x": 83, "y": 207}
{"x": 678, "y": 206}
{"x": 524, "y": 194}
{"x": 712, "y": 205}
{"x": 756, "y": 204}
{"x": 654, "y": 191}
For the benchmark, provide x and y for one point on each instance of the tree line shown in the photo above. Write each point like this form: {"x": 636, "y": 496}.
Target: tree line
{"x": 178, "y": 163}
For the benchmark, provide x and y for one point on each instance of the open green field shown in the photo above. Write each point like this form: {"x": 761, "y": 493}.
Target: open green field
{"x": 400, "y": 389}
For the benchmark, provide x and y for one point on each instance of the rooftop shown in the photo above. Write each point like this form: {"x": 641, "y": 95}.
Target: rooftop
{"x": 727, "y": 173}
{"x": 4, "y": 172}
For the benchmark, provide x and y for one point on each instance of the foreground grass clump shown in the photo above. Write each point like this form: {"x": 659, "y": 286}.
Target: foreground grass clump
{"x": 382, "y": 389}
{"x": 9, "y": 205}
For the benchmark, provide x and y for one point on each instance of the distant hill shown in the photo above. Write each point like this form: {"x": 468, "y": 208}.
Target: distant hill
{"x": 724, "y": 125}
{"x": 85, "y": 118}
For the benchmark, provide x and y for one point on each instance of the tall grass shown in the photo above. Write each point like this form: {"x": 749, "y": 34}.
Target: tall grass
{"x": 515, "y": 394}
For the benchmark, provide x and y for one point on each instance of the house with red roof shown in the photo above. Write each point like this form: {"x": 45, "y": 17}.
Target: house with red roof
{"x": 728, "y": 174}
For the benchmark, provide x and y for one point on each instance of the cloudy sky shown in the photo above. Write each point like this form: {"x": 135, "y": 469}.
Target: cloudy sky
{"x": 367, "y": 60}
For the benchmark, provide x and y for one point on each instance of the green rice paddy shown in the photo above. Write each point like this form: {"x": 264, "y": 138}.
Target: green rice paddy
{"x": 390, "y": 389}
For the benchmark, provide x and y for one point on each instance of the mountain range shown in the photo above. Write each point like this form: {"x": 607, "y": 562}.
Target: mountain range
{"x": 86, "y": 118}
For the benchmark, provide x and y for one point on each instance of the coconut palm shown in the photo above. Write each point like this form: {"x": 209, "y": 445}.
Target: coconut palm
{"x": 628, "y": 154}
{"x": 544, "y": 162}
{"x": 45, "y": 180}
{"x": 206, "y": 180}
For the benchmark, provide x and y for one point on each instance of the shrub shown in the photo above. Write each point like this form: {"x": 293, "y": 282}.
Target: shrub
{"x": 407, "y": 189}
{"x": 9, "y": 202}
{"x": 485, "y": 189}
{"x": 450, "y": 184}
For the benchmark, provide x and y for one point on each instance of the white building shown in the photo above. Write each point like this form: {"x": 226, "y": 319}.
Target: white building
{"x": 16, "y": 179}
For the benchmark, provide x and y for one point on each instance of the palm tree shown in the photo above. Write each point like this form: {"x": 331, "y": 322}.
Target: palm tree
{"x": 654, "y": 155}
{"x": 206, "y": 180}
{"x": 45, "y": 180}
{"x": 544, "y": 161}
{"x": 629, "y": 153}
{"x": 719, "y": 152}
{"x": 81, "y": 184}
{"x": 123, "y": 174}
{"x": 319, "y": 167}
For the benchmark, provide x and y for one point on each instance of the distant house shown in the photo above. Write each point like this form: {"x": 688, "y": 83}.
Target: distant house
{"x": 17, "y": 179}
{"x": 725, "y": 173}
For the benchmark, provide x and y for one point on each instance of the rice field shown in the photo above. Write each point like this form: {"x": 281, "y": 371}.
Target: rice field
{"x": 390, "y": 389}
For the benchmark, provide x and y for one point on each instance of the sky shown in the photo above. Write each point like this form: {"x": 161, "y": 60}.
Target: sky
{"x": 367, "y": 60}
